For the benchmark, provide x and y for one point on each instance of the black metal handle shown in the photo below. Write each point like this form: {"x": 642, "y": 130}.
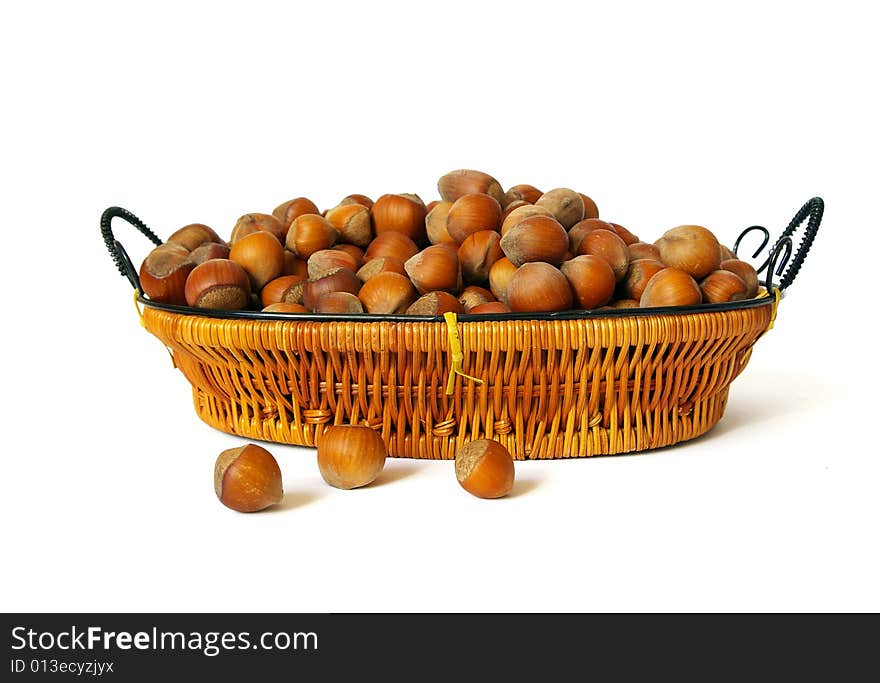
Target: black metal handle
{"x": 781, "y": 252}
{"x": 117, "y": 251}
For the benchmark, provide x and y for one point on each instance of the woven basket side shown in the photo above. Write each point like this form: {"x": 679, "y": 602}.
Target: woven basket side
{"x": 561, "y": 388}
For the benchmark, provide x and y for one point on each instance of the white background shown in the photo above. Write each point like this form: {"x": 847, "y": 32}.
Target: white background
{"x": 665, "y": 113}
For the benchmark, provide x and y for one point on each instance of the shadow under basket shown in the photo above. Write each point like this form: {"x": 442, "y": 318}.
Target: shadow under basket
{"x": 562, "y": 385}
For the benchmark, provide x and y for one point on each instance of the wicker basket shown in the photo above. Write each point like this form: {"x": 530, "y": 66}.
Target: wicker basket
{"x": 549, "y": 386}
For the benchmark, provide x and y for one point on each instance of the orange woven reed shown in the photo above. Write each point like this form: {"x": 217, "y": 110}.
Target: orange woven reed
{"x": 551, "y": 389}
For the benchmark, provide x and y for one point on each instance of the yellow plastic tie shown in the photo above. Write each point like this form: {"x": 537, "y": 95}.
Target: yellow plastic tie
{"x": 455, "y": 350}
{"x": 138, "y": 309}
{"x": 778, "y": 295}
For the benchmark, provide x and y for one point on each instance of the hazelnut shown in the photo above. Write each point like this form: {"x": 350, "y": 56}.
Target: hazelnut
{"x": 285, "y": 289}
{"x": 326, "y": 260}
{"x": 283, "y": 307}
{"x": 292, "y": 209}
{"x": 477, "y": 254}
{"x": 218, "y": 284}
{"x": 401, "y": 213}
{"x": 354, "y": 251}
{"x": 415, "y": 198}
{"x": 257, "y": 222}
{"x": 538, "y": 288}
{"x": 520, "y": 213}
{"x": 471, "y": 213}
{"x": 164, "y": 272}
{"x": 247, "y": 479}
{"x": 382, "y": 264}
{"x": 642, "y": 250}
{"x": 339, "y": 302}
{"x": 350, "y": 456}
{"x": 590, "y": 208}
{"x": 567, "y": 206}
{"x": 583, "y": 228}
{"x": 394, "y": 244}
{"x": 361, "y": 199}
{"x": 310, "y": 233}
{"x": 474, "y": 296}
{"x": 721, "y": 286}
{"x": 670, "y": 287}
{"x": 353, "y": 223}
{"x": 625, "y": 303}
{"x": 484, "y": 469}
{"x": 746, "y": 273}
{"x": 489, "y": 308}
{"x": 499, "y": 277}
{"x": 294, "y": 265}
{"x": 539, "y": 238}
{"x": 637, "y": 276}
{"x": 690, "y": 248}
{"x": 208, "y": 250}
{"x": 387, "y": 293}
{"x": 261, "y": 255}
{"x": 435, "y": 303}
{"x": 624, "y": 234}
{"x": 609, "y": 246}
{"x": 726, "y": 253}
{"x": 591, "y": 279}
{"x": 193, "y": 236}
{"x": 465, "y": 181}
{"x": 510, "y": 208}
{"x": 435, "y": 224}
{"x": 339, "y": 280}
{"x": 524, "y": 193}
{"x": 435, "y": 268}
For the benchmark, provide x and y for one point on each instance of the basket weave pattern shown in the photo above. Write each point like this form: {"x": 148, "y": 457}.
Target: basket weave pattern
{"x": 551, "y": 388}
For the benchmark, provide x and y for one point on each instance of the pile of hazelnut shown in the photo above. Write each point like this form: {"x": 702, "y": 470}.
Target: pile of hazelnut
{"x": 476, "y": 250}
{"x": 248, "y": 479}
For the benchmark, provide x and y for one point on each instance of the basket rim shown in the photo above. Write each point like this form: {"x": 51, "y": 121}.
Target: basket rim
{"x": 763, "y": 299}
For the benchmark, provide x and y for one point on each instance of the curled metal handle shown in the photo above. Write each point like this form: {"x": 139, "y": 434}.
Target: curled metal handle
{"x": 812, "y": 210}
{"x": 745, "y": 232}
{"x": 780, "y": 253}
{"x": 117, "y": 251}
{"x": 783, "y": 246}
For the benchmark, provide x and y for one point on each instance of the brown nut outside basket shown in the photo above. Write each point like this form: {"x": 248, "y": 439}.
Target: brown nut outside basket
{"x": 555, "y": 385}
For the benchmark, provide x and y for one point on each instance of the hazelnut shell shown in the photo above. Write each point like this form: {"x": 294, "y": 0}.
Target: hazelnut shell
{"x": 485, "y": 469}
{"x": 247, "y": 479}
{"x": 350, "y": 456}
